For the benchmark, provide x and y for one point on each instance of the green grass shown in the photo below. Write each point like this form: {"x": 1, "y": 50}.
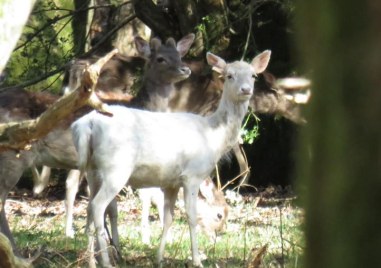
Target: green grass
{"x": 249, "y": 227}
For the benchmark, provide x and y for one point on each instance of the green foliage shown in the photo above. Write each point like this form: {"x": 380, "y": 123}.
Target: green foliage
{"x": 202, "y": 28}
{"x": 250, "y": 133}
{"x": 45, "y": 45}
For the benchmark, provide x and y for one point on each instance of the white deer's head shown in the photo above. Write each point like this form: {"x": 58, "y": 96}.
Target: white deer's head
{"x": 239, "y": 76}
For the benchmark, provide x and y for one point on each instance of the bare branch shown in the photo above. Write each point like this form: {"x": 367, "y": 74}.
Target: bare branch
{"x": 19, "y": 135}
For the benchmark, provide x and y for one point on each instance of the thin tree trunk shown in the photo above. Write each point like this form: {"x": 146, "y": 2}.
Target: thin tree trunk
{"x": 79, "y": 24}
{"x": 340, "y": 160}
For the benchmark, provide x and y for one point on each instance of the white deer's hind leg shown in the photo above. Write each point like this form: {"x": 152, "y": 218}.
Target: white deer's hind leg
{"x": 94, "y": 188}
{"x": 72, "y": 183}
{"x": 170, "y": 196}
{"x": 112, "y": 212}
{"x": 190, "y": 200}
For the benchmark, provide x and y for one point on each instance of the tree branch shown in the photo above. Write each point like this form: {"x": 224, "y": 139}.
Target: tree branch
{"x": 19, "y": 135}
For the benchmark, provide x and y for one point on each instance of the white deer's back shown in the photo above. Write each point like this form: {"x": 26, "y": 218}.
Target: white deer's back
{"x": 159, "y": 146}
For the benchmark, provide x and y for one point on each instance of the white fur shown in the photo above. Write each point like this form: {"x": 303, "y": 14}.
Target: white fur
{"x": 166, "y": 150}
{"x": 212, "y": 209}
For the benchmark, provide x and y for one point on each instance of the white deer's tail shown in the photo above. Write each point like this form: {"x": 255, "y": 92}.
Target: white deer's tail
{"x": 81, "y": 130}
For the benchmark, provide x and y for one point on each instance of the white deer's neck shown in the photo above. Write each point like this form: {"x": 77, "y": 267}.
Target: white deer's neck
{"x": 225, "y": 123}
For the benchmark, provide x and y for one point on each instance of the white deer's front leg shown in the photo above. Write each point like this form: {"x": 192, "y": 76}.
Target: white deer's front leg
{"x": 145, "y": 199}
{"x": 190, "y": 200}
{"x": 170, "y": 196}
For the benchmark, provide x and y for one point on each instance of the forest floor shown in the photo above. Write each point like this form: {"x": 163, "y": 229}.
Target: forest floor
{"x": 264, "y": 229}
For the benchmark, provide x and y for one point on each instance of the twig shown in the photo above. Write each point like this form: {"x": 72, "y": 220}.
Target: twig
{"x": 281, "y": 233}
{"x": 36, "y": 80}
{"x": 87, "y": 54}
{"x": 109, "y": 34}
{"x": 53, "y": 39}
{"x": 218, "y": 178}
{"x": 48, "y": 86}
{"x": 179, "y": 243}
{"x": 249, "y": 31}
{"x": 235, "y": 178}
{"x": 46, "y": 25}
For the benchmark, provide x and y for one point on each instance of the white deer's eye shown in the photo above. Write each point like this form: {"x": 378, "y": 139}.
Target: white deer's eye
{"x": 229, "y": 76}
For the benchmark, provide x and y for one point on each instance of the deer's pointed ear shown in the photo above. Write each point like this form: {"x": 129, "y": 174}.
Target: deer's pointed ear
{"x": 261, "y": 61}
{"x": 184, "y": 44}
{"x": 142, "y": 47}
{"x": 171, "y": 42}
{"x": 207, "y": 190}
{"x": 155, "y": 43}
{"x": 216, "y": 62}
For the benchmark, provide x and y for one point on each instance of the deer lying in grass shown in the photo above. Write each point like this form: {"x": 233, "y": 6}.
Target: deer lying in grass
{"x": 212, "y": 209}
{"x": 166, "y": 150}
{"x": 57, "y": 148}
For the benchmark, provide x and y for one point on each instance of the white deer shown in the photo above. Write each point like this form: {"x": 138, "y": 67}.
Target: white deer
{"x": 166, "y": 150}
{"x": 57, "y": 149}
{"x": 212, "y": 209}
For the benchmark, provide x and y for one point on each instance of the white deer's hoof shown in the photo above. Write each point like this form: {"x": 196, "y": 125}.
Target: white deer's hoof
{"x": 70, "y": 233}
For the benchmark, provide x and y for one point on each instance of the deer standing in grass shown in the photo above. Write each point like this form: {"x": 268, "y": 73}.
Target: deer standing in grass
{"x": 57, "y": 148}
{"x": 153, "y": 96}
{"x": 166, "y": 150}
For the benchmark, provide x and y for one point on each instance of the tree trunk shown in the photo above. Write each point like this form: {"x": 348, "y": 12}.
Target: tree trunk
{"x": 340, "y": 174}
{"x": 79, "y": 24}
{"x": 14, "y": 14}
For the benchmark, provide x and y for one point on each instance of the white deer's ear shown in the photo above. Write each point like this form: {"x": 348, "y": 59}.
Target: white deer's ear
{"x": 261, "y": 61}
{"x": 184, "y": 44}
{"x": 216, "y": 62}
{"x": 142, "y": 47}
{"x": 207, "y": 190}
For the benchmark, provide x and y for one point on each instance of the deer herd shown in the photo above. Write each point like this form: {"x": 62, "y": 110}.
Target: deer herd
{"x": 168, "y": 138}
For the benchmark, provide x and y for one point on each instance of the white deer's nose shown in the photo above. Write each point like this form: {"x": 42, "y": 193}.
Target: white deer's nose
{"x": 246, "y": 89}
